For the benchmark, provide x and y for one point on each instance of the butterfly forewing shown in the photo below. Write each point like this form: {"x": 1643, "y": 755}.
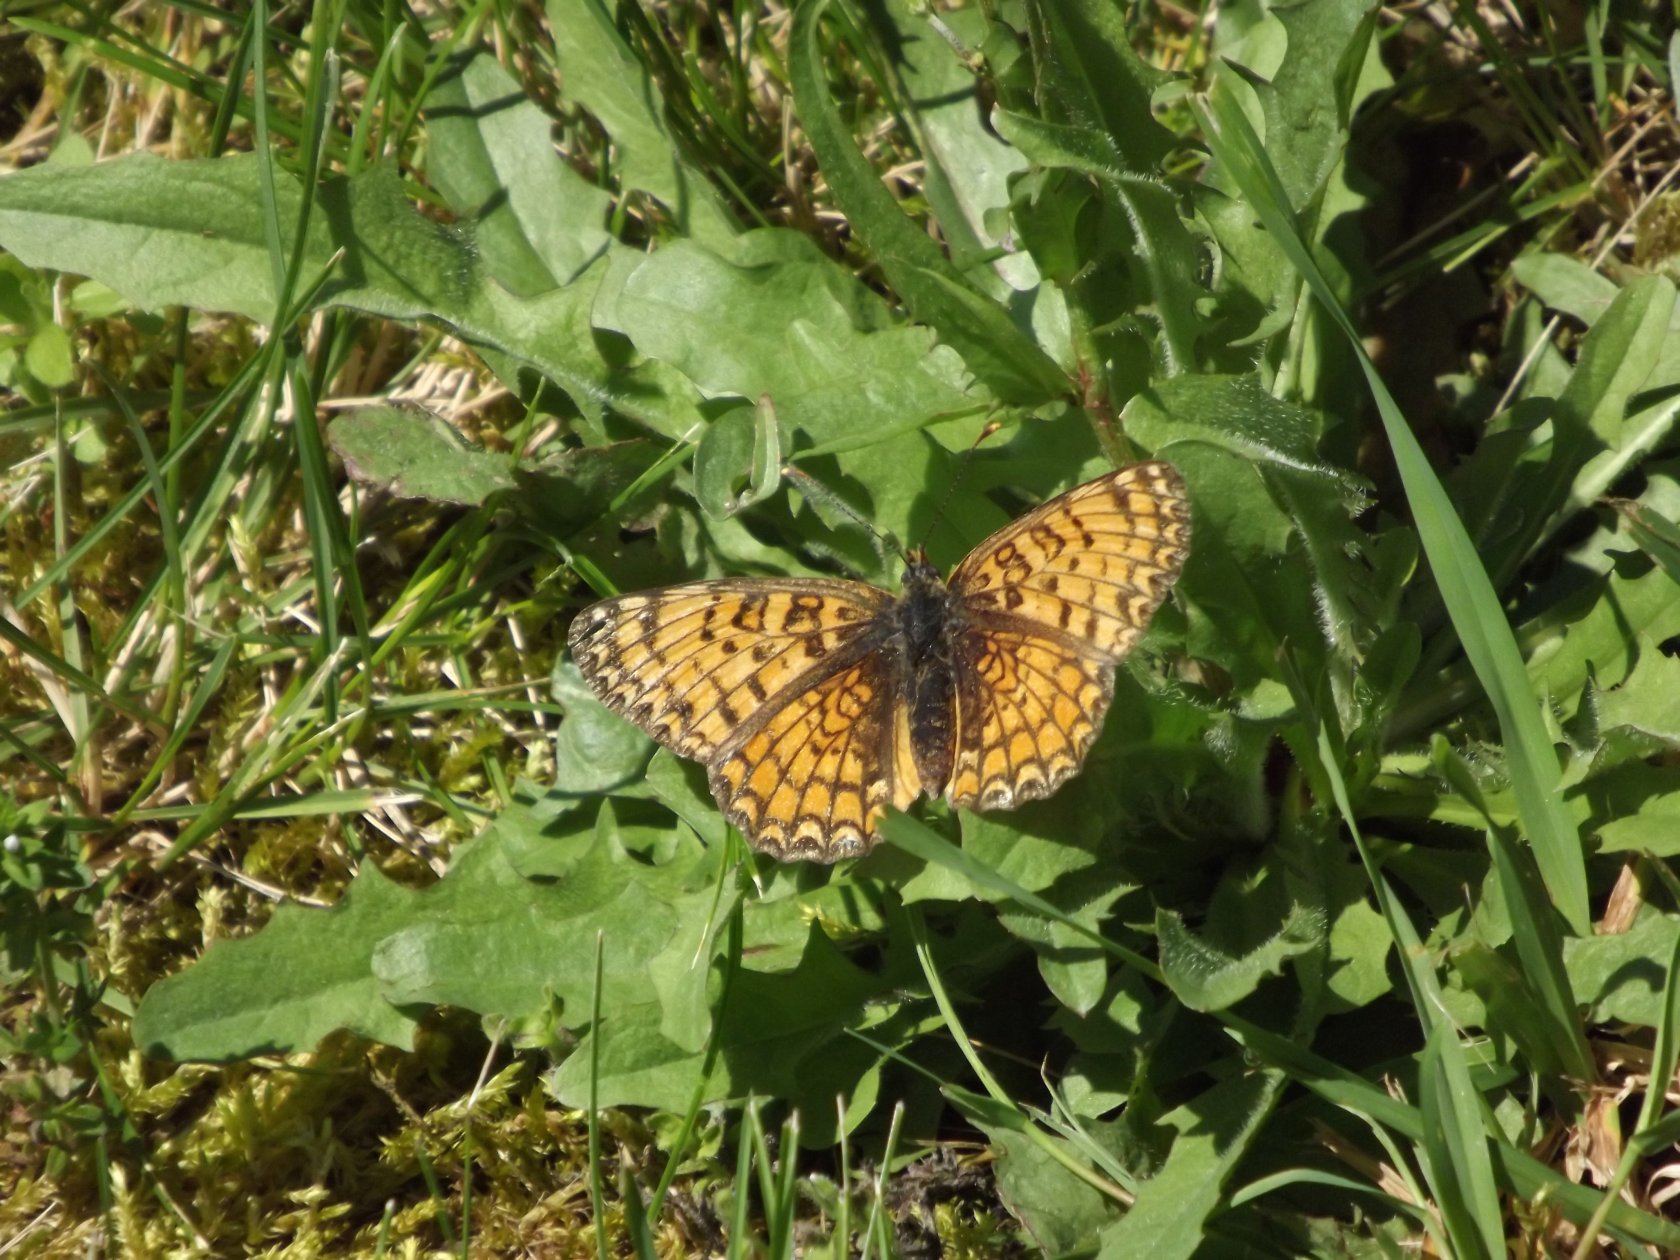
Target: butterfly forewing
{"x": 1089, "y": 567}
{"x": 1052, "y": 602}
{"x": 692, "y": 664}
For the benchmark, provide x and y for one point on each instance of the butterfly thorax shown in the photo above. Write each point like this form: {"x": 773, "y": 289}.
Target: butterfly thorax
{"x": 928, "y": 615}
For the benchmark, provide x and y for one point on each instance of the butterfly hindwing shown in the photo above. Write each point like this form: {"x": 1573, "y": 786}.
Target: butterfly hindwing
{"x": 1029, "y": 708}
{"x": 810, "y": 777}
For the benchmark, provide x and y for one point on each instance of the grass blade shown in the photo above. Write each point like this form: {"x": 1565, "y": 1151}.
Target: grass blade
{"x": 1458, "y": 1169}
{"x": 597, "y": 1183}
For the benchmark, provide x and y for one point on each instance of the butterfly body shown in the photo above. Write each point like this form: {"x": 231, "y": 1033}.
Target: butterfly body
{"x": 926, "y": 648}
{"x": 815, "y": 703}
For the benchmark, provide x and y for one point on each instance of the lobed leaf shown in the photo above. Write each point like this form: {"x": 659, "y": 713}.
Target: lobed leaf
{"x": 537, "y": 222}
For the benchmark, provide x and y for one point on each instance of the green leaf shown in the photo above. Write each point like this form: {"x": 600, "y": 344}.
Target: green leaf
{"x": 1044, "y": 846}
{"x": 1539, "y": 946}
{"x": 1665, "y": 1054}
{"x": 1089, "y": 74}
{"x": 603, "y": 74}
{"x": 1359, "y": 944}
{"x": 1656, "y": 535}
{"x": 1075, "y": 971}
{"x": 538, "y": 223}
{"x": 1232, "y": 412}
{"x": 50, "y": 357}
{"x": 1621, "y": 975}
{"x": 305, "y": 974}
{"x": 1062, "y": 1212}
{"x": 1511, "y": 1010}
{"x": 780, "y": 1036}
{"x": 181, "y": 233}
{"x": 1616, "y": 358}
{"x": 490, "y": 939}
{"x": 596, "y": 750}
{"x": 741, "y": 445}
{"x": 1652, "y": 826}
{"x": 1459, "y": 1169}
{"x": 680, "y": 786}
{"x": 968, "y": 167}
{"x": 585, "y": 486}
{"x": 1262, "y": 499}
{"x": 166, "y": 233}
{"x": 1116, "y": 1025}
{"x": 1161, "y": 246}
{"x": 800, "y": 330}
{"x": 416, "y": 455}
{"x": 1309, "y": 99}
{"x": 1533, "y": 1005}
{"x": 1205, "y": 978}
{"x": 991, "y": 345}
{"x": 1602, "y": 642}
{"x": 485, "y": 937}
{"x": 1566, "y": 284}
{"x": 920, "y": 841}
{"x": 840, "y": 376}
{"x": 776, "y": 934}
{"x": 1215, "y": 1131}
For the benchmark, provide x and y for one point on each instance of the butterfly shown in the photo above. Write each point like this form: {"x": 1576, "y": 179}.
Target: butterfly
{"x": 815, "y": 703}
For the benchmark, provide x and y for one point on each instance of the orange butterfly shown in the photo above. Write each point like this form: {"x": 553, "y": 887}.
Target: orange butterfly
{"x": 815, "y": 703}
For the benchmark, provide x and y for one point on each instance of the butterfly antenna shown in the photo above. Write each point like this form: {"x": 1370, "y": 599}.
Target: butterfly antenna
{"x": 885, "y": 544}
{"x": 957, "y": 480}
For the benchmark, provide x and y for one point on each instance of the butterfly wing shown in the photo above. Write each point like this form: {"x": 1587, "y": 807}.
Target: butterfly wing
{"x": 1029, "y": 709}
{"x": 1051, "y": 603}
{"x": 810, "y": 778}
{"x": 781, "y": 688}
{"x": 690, "y": 664}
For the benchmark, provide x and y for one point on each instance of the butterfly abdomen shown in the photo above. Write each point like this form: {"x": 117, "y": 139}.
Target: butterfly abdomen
{"x": 927, "y": 619}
